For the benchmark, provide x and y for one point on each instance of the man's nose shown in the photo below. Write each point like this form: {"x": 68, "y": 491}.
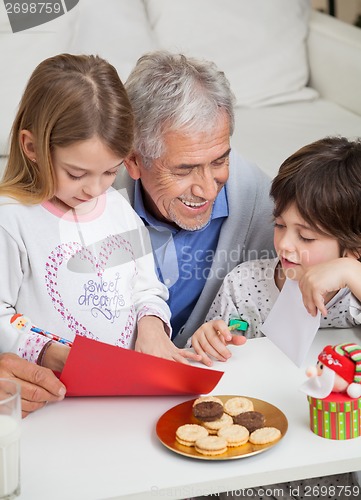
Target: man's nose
{"x": 205, "y": 185}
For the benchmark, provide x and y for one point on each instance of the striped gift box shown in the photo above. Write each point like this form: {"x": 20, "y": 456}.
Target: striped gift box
{"x": 335, "y": 417}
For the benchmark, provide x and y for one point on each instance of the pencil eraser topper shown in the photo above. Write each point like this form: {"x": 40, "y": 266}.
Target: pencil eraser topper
{"x": 338, "y": 370}
{"x": 21, "y": 323}
{"x": 238, "y": 324}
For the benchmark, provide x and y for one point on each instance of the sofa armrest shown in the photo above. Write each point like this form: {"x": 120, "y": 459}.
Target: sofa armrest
{"x": 334, "y": 52}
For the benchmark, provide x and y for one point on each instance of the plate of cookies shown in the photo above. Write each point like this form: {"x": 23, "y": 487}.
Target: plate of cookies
{"x": 221, "y": 427}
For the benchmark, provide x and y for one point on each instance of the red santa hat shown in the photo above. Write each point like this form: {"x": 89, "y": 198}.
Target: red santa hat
{"x": 345, "y": 360}
{"x": 15, "y": 317}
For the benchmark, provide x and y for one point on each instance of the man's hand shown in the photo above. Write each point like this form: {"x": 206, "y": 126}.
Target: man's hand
{"x": 38, "y": 384}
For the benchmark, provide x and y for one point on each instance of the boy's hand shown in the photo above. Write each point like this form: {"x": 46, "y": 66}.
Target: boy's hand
{"x": 320, "y": 282}
{"x": 212, "y": 338}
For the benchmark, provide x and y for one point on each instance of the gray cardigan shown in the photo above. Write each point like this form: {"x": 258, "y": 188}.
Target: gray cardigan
{"x": 246, "y": 234}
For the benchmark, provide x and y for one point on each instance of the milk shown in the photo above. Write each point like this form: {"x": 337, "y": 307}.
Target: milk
{"x": 9, "y": 455}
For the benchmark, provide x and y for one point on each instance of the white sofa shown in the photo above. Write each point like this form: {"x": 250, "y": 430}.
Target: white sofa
{"x": 296, "y": 74}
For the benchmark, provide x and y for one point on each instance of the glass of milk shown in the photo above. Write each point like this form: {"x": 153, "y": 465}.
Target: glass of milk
{"x": 10, "y": 419}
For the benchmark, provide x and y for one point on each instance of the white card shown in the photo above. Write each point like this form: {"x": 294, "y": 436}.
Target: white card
{"x": 289, "y": 326}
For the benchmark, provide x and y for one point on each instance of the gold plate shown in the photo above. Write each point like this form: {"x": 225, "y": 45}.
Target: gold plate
{"x": 182, "y": 414}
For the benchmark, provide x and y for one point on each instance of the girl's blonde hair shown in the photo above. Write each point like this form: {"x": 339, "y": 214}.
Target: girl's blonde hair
{"x": 68, "y": 98}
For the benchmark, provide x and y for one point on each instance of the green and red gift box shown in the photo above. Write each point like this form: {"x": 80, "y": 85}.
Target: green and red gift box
{"x": 335, "y": 417}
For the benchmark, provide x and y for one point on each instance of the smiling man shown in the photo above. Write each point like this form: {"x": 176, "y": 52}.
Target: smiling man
{"x": 206, "y": 208}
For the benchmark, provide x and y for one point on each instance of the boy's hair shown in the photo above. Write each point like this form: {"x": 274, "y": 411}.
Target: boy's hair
{"x": 68, "y": 98}
{"x": 172, "y": 92}
{"x": 323, "y": 180}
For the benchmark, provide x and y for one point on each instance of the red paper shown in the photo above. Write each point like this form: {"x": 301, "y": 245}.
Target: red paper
{"x": 97, "y": 369}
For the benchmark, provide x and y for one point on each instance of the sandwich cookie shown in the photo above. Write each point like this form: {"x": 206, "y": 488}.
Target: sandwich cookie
{"x": 235, "y": 406}
{"x": 188, "y": 434}
{"x": 236, "y": 435}
{"x": 211, "y": 445}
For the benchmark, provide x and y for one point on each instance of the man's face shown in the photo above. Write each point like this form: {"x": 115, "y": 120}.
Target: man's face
{"x": 181, "y": 186}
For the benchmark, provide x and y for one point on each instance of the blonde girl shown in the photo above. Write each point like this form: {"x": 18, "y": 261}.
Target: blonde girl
{"x": 74, "y": 256}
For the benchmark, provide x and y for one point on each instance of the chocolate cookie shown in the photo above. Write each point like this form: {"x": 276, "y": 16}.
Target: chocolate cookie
{"x": 207, "y": 409}
{"x": 252, "y": 420}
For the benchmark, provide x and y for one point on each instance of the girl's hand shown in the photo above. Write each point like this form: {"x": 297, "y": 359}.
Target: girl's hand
{"x": 55, "y": 356}
{"x": 212, "y": 338}
{"x": 321, "y": 281}
{"x": 153, "y": 339}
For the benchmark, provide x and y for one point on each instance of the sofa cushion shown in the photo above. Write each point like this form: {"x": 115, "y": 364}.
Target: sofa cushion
{"x": 20, "y": 53}
{"x": 268, "y": 135}
{"x": 117, "y": 30}
{"x": 259, "y": 44}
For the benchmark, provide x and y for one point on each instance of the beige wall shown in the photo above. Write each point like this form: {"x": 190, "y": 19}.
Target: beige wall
{"x": 346, "y": 10}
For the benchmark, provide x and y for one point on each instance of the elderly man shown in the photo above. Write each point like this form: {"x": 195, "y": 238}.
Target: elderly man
{"x": 38, "y": 384}
{"x": 206, "y": 208}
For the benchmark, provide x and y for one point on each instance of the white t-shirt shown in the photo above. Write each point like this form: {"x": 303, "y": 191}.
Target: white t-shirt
{"x": 87, "y": 272}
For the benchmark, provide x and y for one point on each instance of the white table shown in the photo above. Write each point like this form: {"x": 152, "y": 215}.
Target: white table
{"x": 107, "y": 448}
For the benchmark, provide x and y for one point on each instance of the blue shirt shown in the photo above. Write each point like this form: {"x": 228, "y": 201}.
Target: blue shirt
{"x": 183, "y": 258}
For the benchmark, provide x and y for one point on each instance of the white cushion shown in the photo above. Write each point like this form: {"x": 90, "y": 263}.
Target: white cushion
{"x": 334, "y": 50}
{"x": 267, "y": 136}
{"x": 20, "y": 53}
{"x": 117, "y": 30}
{"x": 259, "y": 44}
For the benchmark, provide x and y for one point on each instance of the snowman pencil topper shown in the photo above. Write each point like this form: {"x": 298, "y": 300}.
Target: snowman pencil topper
{"x": 338, "y": 370}
{"x": 22, "y": 323}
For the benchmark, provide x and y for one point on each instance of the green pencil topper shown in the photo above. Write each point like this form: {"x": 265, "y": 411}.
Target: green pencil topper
{"x": 238, "y": 324}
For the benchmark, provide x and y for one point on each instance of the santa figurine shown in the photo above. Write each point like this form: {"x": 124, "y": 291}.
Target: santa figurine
{"x": 334, "y": 392}
{"x": 338, "y": 370}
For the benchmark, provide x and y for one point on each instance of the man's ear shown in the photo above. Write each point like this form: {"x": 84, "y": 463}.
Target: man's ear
{"x": 28, "y": 144}
{"x": 132, "y": 164}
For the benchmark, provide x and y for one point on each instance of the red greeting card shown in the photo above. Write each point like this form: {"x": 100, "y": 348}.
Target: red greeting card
{"x": 97, "y": 369}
